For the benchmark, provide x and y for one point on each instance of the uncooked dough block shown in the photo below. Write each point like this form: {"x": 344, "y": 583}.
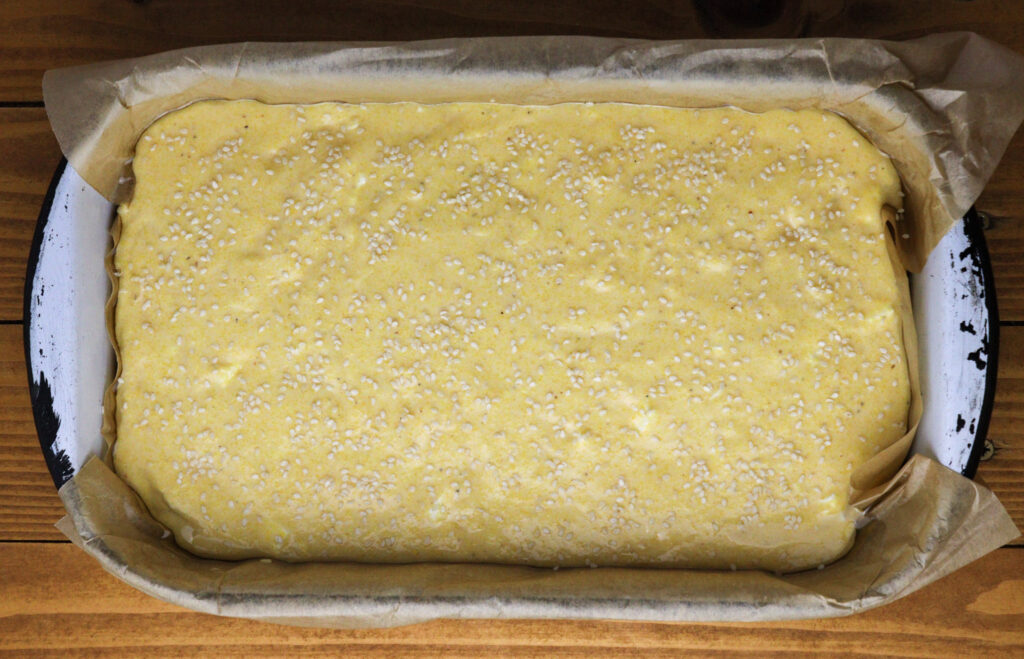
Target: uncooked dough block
{"x": 581, "y": 334}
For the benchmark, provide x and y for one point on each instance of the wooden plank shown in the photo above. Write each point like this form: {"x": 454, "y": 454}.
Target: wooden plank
{"x": 28, "y": 158}
{"x": 1004, "y": 473}
{"x": 54, "y": 33}
{"x": 1004, "y": 194}
{"x": 54, "y": 595}
{"x": 1005, "y": 239}
{"x": 1003, "y": 200}
{"x": 29, "y": 506}
{"x": 42, "y": 34}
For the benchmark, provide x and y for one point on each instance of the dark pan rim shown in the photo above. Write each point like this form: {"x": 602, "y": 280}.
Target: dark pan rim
{"x": 975, "y": 231}
{"x": 43, "y": 413}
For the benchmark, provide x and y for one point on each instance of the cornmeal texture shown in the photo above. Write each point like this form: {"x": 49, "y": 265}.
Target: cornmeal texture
{"x": 581, "y": 334}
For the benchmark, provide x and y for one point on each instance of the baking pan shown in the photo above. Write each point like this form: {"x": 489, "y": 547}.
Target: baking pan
{"x": 943, "y": 107}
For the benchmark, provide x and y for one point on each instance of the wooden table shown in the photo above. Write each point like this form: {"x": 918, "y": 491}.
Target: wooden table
{"x": 53, "y": 597}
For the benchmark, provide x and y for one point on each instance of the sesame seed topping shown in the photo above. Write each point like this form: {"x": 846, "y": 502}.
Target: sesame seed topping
{"x": 566, "y": 335}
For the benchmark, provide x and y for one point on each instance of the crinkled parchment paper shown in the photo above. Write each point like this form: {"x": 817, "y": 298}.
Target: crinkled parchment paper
{"x": 943, "y": 108}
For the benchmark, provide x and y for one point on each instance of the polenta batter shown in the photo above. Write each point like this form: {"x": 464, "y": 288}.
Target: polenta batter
{"x": 581, "y": 334}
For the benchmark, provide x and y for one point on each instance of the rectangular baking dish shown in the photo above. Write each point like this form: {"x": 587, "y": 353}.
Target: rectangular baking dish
{"x": 70, "y": 365}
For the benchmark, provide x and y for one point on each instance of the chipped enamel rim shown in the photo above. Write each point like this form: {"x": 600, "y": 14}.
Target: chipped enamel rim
{"x": 70, "y": 360}
{"x": 976, "y": 235}
{"x": 957, "y": 324}
{"x": 67, "y": 352}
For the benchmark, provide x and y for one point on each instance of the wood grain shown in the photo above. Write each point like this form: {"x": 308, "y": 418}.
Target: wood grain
{"x": 28, "y": 158}
{"x": 29, "y": 506}
{"x": 1003, "y": 200}
{"x": 1004, "y": 195}
{"x": 52, "y": 592}
{"x": 1004, "y": 473}
{"x": 1005, "y": 238}
{"x": 42, "y": 34}
{"x": 53, "y": 596}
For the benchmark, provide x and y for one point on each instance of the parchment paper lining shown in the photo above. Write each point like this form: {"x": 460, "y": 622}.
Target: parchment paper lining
{"x": 929, "y": 104}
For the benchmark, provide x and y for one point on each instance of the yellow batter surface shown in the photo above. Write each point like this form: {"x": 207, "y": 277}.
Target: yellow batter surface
{"x": 567, "y": 335}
